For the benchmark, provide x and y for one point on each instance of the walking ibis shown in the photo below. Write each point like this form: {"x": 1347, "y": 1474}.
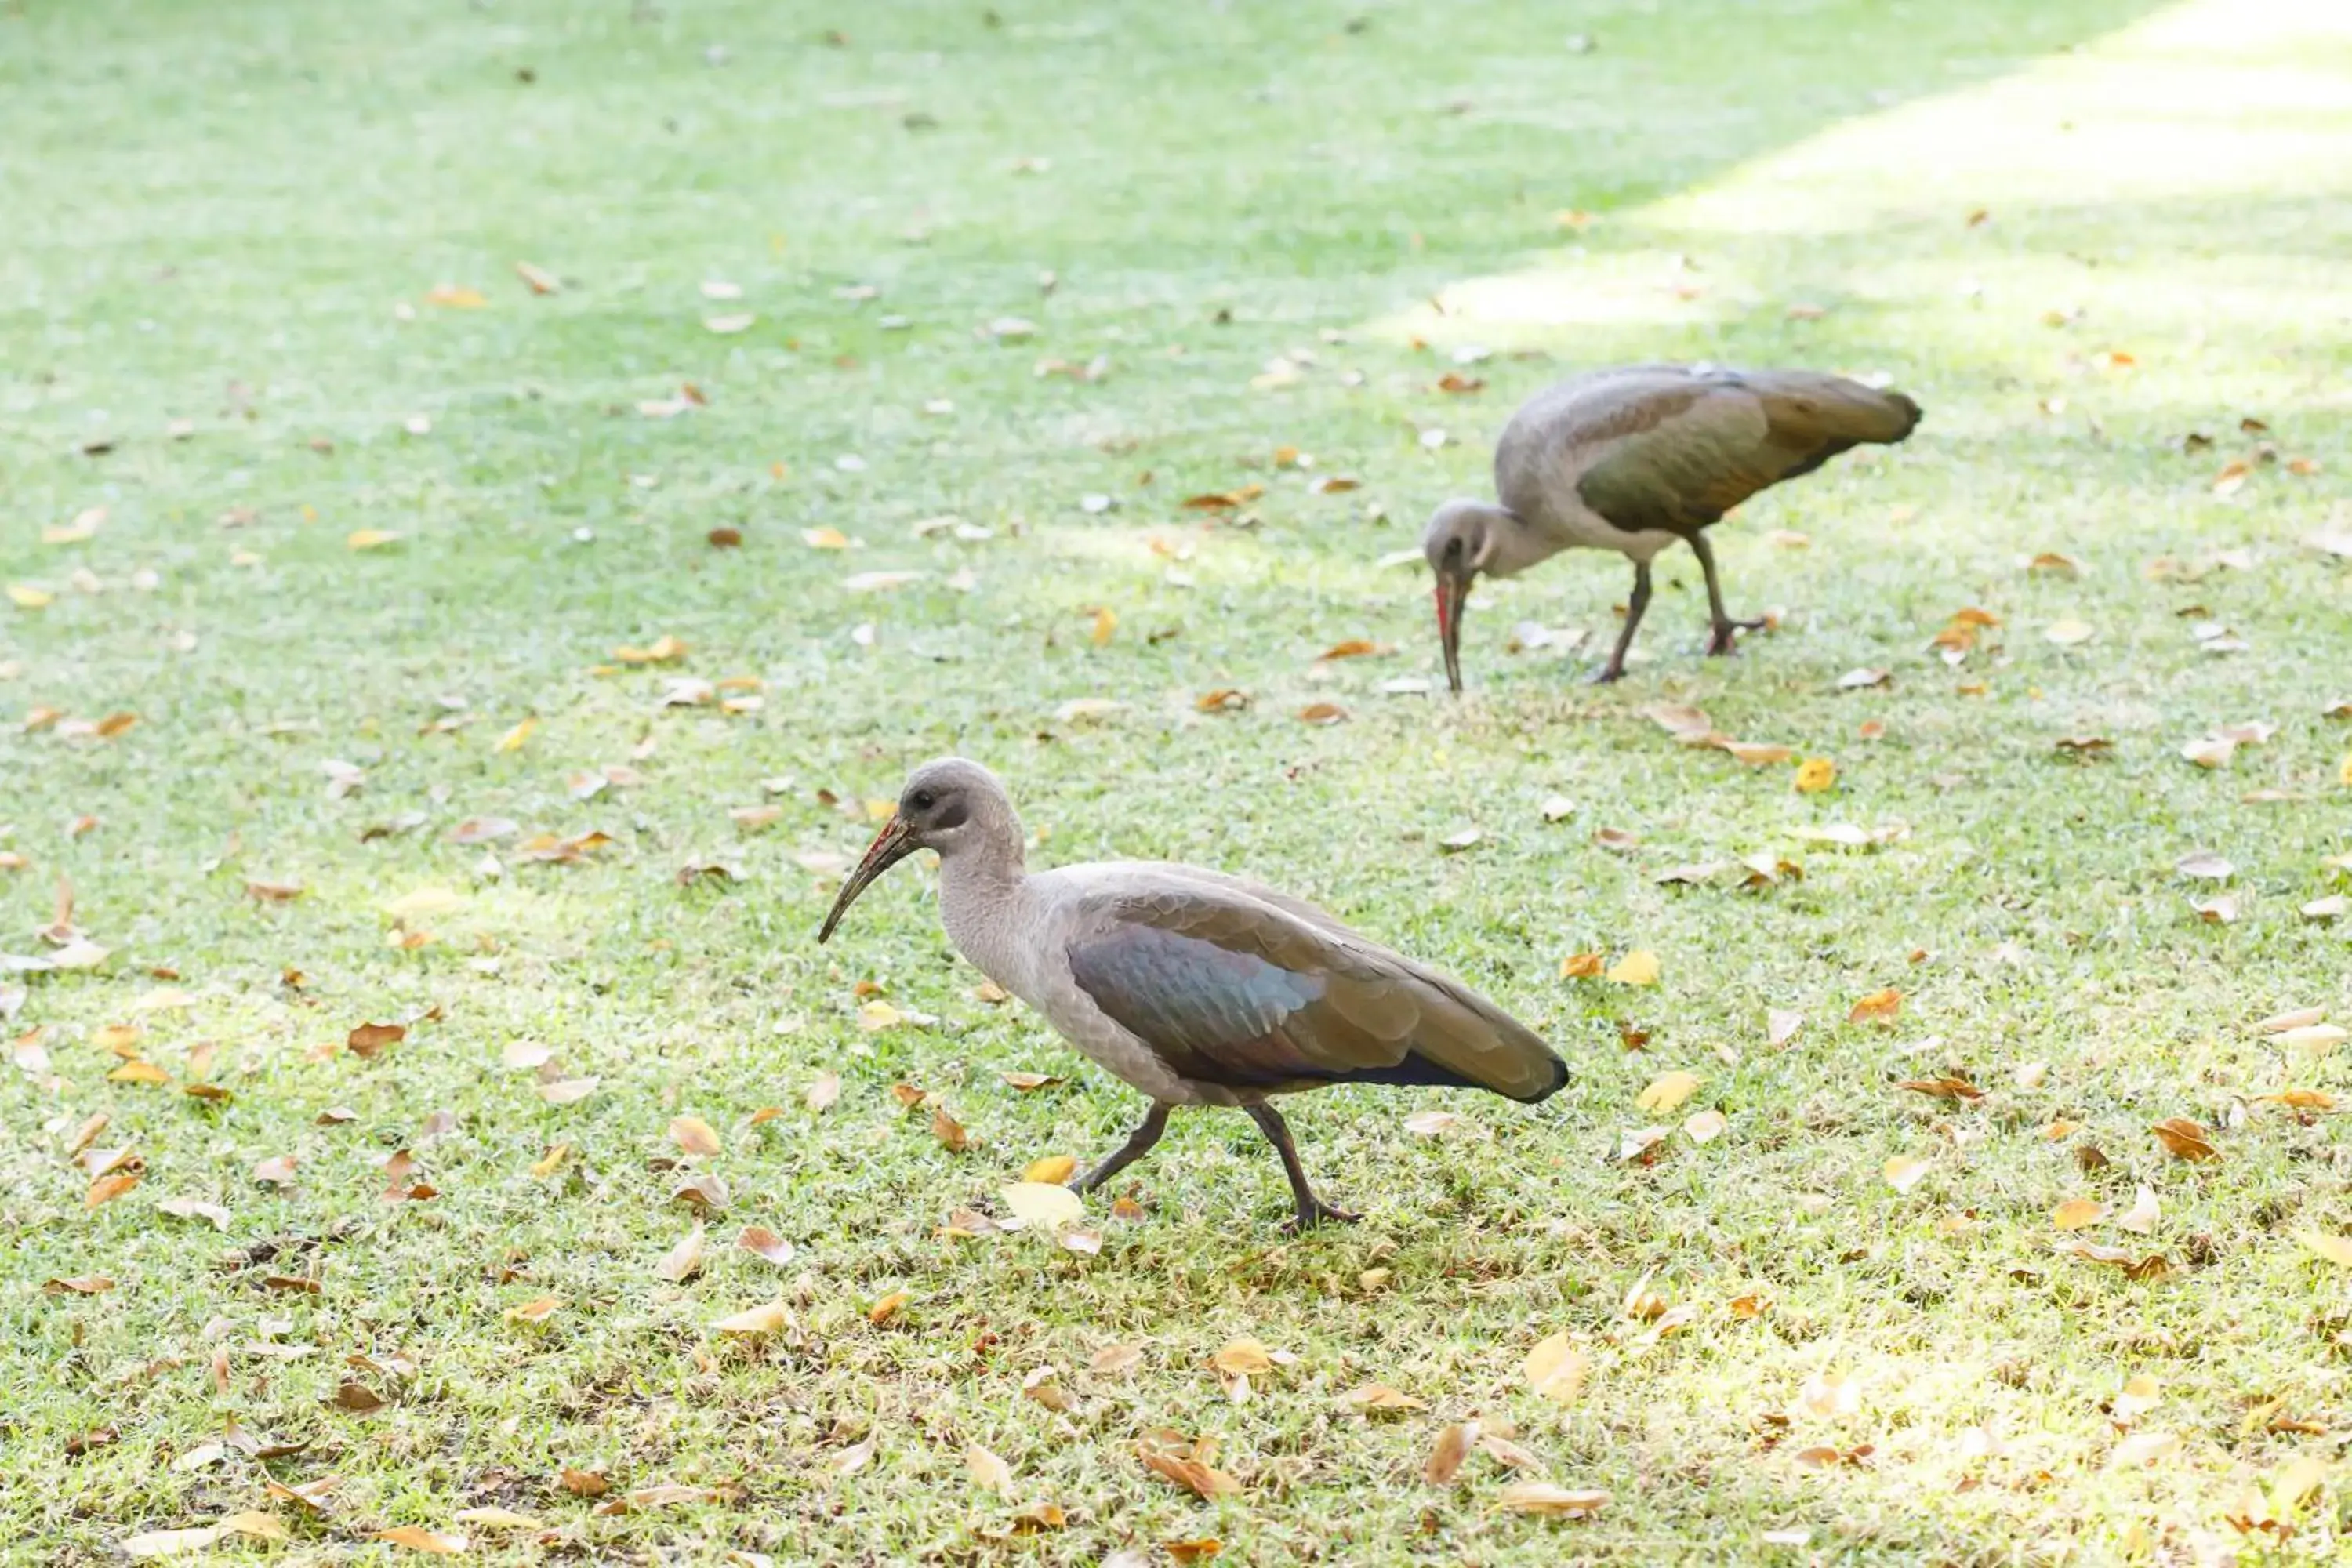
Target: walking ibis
{"x": 1195, "y": 987}
{"x": 1634, "y": 459}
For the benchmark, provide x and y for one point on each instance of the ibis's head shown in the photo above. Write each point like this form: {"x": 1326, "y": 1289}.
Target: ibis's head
{"x": 1459, "y": 541}
{"x": 949, "y": 805}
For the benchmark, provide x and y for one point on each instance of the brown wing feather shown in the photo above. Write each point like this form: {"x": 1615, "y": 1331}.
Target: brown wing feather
{"x": 1742, "y": 434}
{"x": 1230, "y": 990}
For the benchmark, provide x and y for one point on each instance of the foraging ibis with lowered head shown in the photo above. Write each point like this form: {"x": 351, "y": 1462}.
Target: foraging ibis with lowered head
{"x": 1634, "y": 459}
{"x": 1195, "y": 987}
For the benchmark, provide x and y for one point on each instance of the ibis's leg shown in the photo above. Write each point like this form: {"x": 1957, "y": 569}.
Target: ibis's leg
{"x": 1139, "y": 1143}
{"x": 1312, "y": 1210}
{"x": 1720, "y": 622}
{"x": 1615, "y": 668}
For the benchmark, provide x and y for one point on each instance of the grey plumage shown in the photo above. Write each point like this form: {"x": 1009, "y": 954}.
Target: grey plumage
{"x": 1196, "y": 987}
{"x": 1638, "y": 457}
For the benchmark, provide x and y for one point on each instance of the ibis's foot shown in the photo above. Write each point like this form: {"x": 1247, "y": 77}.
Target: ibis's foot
{"x": 1139, "y": 1143}
{"x": 1313, "y": 1211}
{"x": 1611, "y": 671}
{"x": 1726, "y": 640}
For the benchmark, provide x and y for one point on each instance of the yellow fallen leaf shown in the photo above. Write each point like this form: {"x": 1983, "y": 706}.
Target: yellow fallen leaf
{"x": 26, "y": 596}
{"x": 2140, "y": 1396}
{"x": 1052, "y": 1170}
{"x": 1046, "y": 1204}
{"x": 369, "y": 538}
{"x": 1815, "y": 775}
{"x": 825, "y": 539}
{"x": 496, "y": 1519}
{"x": 1556, "y": 1368}
{"x": 1639, "y": 967}
{"x": 1105, "y": 626}
{"x": 547, "y": 1164}
{"x": 1667, "y": 1090}
{"x": 2069, "y": 632}
{"x": 767, "y": 1319}
{"x": 1551, "y": 1501}
{"x": 987, "y": 1471}
{"x": 2335, "y": 1249}
{"x": 1904, "y": 1172}
{"x": 513, "y": 739}
{"x": 2076, "y": 1213}
{"x": 1707, "y": 1126}
{"x": 454, "y": 296}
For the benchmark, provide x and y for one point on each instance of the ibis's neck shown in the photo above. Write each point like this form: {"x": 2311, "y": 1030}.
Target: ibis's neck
{"x": 983, "y": 903}
{"x": 1512, "y": 546}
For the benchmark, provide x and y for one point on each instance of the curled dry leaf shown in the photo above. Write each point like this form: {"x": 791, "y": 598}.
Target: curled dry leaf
{"x": 1878, "y": 1008}
{"x": 949, "y": 1131}
{"x": 1815, "y": 775}
{"x": 1116, "y": 1360}
{"x": 1322, "y": 713}
{"x": 2142, "y": 1216}
{"x": 1943, "y": 1088}
{"x": 538, "y": 1310}
{"x": 763, "y": 1243}
{"x": 1781, "y": 1024}
{"x": 681, "y": 1262}
{"x": 2184, "y": 1139}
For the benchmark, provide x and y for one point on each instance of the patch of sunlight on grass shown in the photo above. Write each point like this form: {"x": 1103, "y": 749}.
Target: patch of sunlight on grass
{"x": 2207, "y": 105}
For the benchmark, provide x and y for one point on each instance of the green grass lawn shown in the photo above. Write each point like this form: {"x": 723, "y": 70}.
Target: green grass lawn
{"x": 224, "y": 363}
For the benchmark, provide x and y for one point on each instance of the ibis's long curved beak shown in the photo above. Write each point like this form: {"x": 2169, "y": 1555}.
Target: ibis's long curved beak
{"x": 1453, "y": 592}
{"x": 892, "y": 845}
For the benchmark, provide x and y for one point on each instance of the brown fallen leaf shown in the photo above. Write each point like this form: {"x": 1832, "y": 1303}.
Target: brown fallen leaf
{"x": 1943, "y": 1088}
{"x": 1182, "y": 1469}
{"x": 763, "y": 1243}
{"x": 368, "y": 1040}
{"x": 2184, "y": 1139}
{"x": 1878, "y": 1008}
{"x": 1445, "y": 1456}
{"x": 1556, "y": 1369}
{"x": 949, "y": 1131}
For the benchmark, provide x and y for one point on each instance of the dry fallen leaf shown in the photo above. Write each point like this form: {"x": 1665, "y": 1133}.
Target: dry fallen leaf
{"x": 681, "y": 1262}
{"x": 1668, "y": 1092}
{"x": 693, "y": 1135}
{"x": 1047, "y": 1205}
{"x": 1904, "y": 1172}
{"x": 2184, "y": 1139}
{"x": 1639, "y": 967}
{"x": 772, "y": 1317}
{"x": 1704, "y": 1126}
{"x": 2076, "y": 1214}
{"x": 761, "y": 1242}
{"x": 1878, "y": 1008}
{"x": 1549, "y": 1501}
{"x": 1815, "y": 775}
{"x": 1556, "y": 1369}
{"x": 416, "y": 1538}
{"x": 1445, "y": 1456}
{"x": 1054, "y": 1170}
{"x": 2335, "y": 1249}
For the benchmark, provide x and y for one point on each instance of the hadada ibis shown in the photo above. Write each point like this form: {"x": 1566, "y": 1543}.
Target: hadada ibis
{"x": 1195, "y": 987}
{"x": 1634, "y": 459}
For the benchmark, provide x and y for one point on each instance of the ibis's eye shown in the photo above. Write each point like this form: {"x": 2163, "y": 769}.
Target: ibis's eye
{"x": 1454, "y": 546}
{"x": 922, "y": 800}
